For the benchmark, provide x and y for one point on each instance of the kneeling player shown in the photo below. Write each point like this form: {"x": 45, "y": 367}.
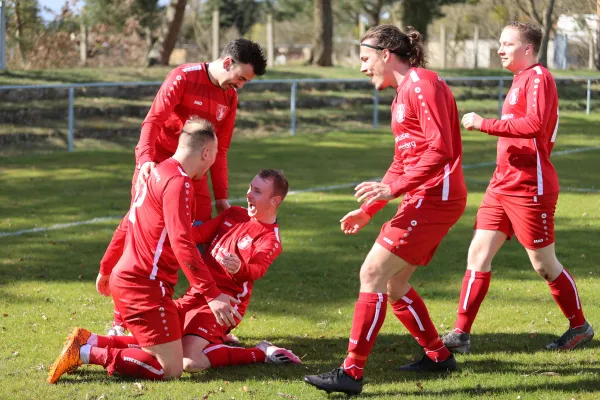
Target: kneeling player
{"x": 243, "y": 244}
{"x": 159, "y": 242}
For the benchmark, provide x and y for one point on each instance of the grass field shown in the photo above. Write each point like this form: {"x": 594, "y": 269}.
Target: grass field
{"x": 306, "y": 300}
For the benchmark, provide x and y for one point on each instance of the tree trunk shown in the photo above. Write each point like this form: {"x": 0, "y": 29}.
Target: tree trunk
{"x": 547, "y": 26}
{"x": 323, "y": 39}
{"x": 169, "y": 30}
{"x": 83, "y": 32}
{"x": 598, "y": 35}
{"x": 19, "y": 32}
{"x": 418, "y": 14}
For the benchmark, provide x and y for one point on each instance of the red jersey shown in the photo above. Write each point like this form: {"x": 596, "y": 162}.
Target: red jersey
{"x": 256, "y": 244}
{"x": 428, "y": 149}
{"x": 159, "y": 236}
{"x": 188, "y": 91}
{"x": 527, "y": 132}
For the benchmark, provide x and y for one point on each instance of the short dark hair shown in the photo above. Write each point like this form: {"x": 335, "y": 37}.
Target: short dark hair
{"x": 246, "y": 51}
{"x": 407, "y": 46}
{"x": 196, "y": 133}
{"x": 529, "y": 33}
{"x": 280, "y": 182}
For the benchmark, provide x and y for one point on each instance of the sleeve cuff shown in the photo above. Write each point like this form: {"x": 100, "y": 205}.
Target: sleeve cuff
{"x": 220, "y": 194}
{"x": 397, "y": 187}
{"x": 484, "y": 125}
{"x": 142, "y": 160}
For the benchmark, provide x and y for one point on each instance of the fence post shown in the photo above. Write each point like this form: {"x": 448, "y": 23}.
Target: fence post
{"x": 293, "y": 108}
{"x": 71, "y": 118}
{"x": 376, "y": 108}
{"x": 589, "y": 97}
{"x": 500, "y": 97}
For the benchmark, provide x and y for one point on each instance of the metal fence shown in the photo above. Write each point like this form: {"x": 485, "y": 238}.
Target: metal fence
{"x": 295, "y": 84}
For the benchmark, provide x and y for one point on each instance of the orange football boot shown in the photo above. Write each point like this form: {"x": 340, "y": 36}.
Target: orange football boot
{"x": 68, "y": 360}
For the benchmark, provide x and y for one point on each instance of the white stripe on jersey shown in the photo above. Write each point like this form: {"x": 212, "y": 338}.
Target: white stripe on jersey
{"x": 414, "y": 76}
{"x": 157, "y": 253}
{"x": 446, "y": 184}
{"x": 556, "y": 127}
{"x": 277, "y": 234}
{"x": 181, "y": 171}
{"x": 240, "y": 295}
{"x": 540, "y": 176}
{"x": 538, "y": 69}
{"x": 377, "y": 311}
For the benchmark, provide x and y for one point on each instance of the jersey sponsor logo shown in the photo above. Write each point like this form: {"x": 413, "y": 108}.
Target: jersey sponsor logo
{"x": 197, "y": 102}
{"x": 221, "y": 111}
{"x": 228, "y": 224}
{"x": 400, "y": 113}
{"x": 194, "y": 68}
{"x": 244, "y": 242}
{"x": 402, "y": 136}
{"x": 353, "y": 341}
{"x": 203, "y": 330}
{"x": 408, "y": 145}
{"x": 388, "y": 241}
{"x": 514, "y": 97}
{"x": 507, "y": 116}
{"x": 538, "y": 241}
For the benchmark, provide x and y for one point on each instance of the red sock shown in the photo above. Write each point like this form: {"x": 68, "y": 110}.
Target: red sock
{"x": 474, "y": 288}
{"x": 128, "y": 362}
{"x": 221, "y": 355}
{"x": 115, "y": 248}
{"x": 566, "y": 296}
{"x": 117, "y": 342}
{"x": 369, "y": 314}
{"x": 413, "y": 314}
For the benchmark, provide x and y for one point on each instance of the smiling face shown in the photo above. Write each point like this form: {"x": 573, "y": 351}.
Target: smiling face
{"x": 373, "y": 64}
{"x": 514, "y": 54}
{"x": 235, "y": 75}
{"x": 262, "y": 203}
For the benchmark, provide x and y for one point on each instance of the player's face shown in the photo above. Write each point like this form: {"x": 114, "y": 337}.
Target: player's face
{"x": 373, "y": 65}
{"x": 260, "y": 197}
{"x": 513, "y": 52}
{"x": 236, "y": 75}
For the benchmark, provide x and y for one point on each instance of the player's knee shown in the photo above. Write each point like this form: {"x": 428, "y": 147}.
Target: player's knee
{"x": 195, "y": 364}
{"x": 478, "y": 258}
{"x": 173, "y": 371}
{"x": 369, "y": 274}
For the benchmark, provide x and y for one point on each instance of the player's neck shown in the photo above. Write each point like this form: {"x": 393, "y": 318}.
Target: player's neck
{"x": 399, "y": 73}
{"x": 267, "y": 219}
{"x": 189, "y": 164}
{"x": 526, "y": 65}
{"x": 211, "y": 68}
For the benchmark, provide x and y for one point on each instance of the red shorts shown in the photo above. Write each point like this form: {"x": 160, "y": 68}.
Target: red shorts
{"x": 150, "y": 315}
{"x": 198, "y": 319}
{"x": 418, "y": 228}
{"x": 201, "y": 193}
{"x": 531, "y": 218}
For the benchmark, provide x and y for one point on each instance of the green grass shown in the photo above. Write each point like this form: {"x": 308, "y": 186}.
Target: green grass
{"x": 306, "y": 300}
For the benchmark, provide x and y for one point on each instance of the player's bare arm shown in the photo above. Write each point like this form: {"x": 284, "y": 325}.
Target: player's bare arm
{"x": 373, "y": 191}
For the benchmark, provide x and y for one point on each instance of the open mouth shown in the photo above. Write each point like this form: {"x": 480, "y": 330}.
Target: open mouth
{"x": 251, "y": 207}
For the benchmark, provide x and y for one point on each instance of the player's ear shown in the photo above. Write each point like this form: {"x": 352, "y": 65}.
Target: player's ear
{"x": 276, "y": 201}
{"x": 227, "y": 63}
{"x": 528, "y": 49}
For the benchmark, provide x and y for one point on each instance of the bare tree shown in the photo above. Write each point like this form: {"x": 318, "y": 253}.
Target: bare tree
{"x": 161, "y": 51}
{"x": 544, "y": 19}
{"x": 323, "y": 34}
{"x": 598, "y": 35}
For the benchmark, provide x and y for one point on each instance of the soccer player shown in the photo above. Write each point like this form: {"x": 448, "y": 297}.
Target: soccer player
{"x": 522, "y": 194}
{"x": 243, "y": 244}
{"x": 427, "y": 170}
{"x": 159, "y": 242}
{"x": 206, "y": 90}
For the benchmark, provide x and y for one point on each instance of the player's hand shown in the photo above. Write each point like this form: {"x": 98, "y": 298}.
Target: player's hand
{"x": 472, "y": 121}
{"x": 224, "y": 311}
{"x": 221, "y": 205}
{"x": 231, "y": 263}
{"x": 144, "y": 173}
{"x": 354, "y": 221}
{"x": 102, "y": 284}
{"x": 373, "y": 191}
